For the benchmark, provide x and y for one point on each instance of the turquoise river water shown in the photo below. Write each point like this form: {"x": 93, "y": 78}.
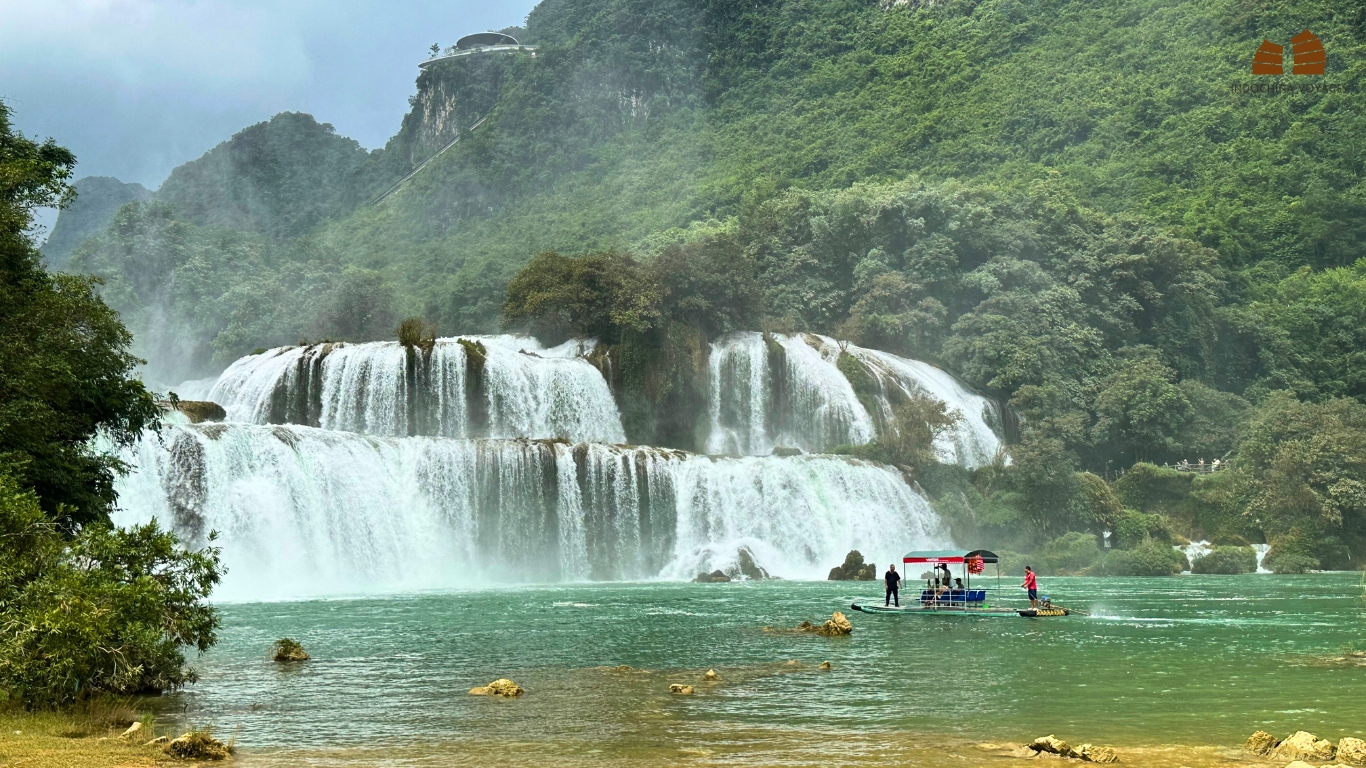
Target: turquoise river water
{"x": 1194, "y": 661}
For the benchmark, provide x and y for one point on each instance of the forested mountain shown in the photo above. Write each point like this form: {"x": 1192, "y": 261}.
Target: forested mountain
{"x": 1079, "y": 207}
{"x": 97, "y": 198}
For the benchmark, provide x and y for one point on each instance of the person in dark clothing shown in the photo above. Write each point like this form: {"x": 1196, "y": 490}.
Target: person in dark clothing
{"x": 893, "y": 581}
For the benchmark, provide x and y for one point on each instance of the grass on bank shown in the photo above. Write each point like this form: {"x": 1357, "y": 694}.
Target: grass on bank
{"x": 80, "y": 739}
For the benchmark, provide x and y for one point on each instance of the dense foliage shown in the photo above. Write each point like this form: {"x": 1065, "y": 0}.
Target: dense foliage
{"x": 98, "y": 198}
{"x": 84, "y": 608}
{"x": 65, "y": 368}
{"x": 106, "y": 612}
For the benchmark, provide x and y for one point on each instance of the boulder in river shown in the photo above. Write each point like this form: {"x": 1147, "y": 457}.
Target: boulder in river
{"x": 825, "y": 666}
{"x": 197, "y": 411}
{"x": 748, "y": 568}
{"x": 836, "y": 625}
{"x": 717, "y": 576}
{"x": 1260, "y": 743}
{"x": 853, "y": 569}
{"x": 710, "y": 675}
{"x": 1351, "y": 751}
{"x": 682, "y": 690}
{"x": 1303, "y": 745}
{"x": 1052, "y": 745}
{"x": 500, "y": 687}
{"x": 198, "y": 745}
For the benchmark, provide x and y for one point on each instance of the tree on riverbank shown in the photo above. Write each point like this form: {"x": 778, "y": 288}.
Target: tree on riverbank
{"x": 84, "y": 608}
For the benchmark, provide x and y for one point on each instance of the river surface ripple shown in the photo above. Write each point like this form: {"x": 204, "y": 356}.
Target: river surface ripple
{"x": 1192, "y": 660}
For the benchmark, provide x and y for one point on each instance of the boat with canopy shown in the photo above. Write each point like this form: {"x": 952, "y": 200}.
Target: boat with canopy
{"x": 943, "y": 595}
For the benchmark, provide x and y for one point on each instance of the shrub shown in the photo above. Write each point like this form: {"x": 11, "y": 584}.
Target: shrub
{"x": 1151, "y": 558}
{"x": 416, "y": 332}
{"x": 1068, "y": 554}
{"x": 106, "y": 612}
{"x": 1134, "y": 527}
{"x": 1227, "y": 560}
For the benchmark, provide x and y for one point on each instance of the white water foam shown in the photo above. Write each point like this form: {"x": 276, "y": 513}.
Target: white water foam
{"x": 304, "y": 511}
{"x": 530, "y": 391}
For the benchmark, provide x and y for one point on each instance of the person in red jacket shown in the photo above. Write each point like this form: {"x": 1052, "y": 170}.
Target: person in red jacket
{"x": 1031, "y": 583}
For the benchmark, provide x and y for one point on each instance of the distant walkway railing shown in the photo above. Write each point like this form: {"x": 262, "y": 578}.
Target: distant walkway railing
{"x": 395, "y": 186}
{"x": 1199, "y": 467}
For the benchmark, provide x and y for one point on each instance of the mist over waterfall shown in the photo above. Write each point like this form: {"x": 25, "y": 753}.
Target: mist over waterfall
{"x": 789, "y": 392}
{"x": 476, "y": 386}
{"x": 306, "y": 511}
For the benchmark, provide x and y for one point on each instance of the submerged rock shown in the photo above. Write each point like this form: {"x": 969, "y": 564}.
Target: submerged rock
{"x": 683, "y": 690}
{"x": 286, "y": 649}
{"x": 715, "y": 577}
{"x": 500, "y": 687}
{"x": 793, "y": 663}
{"x": 836, "y": 625}
{"x": 710, "y": 675}
{"x": 1303, "y": 745}
{"x": 1094, "y": 754}
{"x": 198, "y": 745}
{"x": 1260, "y": 743}
{"x": 825, "y": 666}
{"x": 1351, "y": 751}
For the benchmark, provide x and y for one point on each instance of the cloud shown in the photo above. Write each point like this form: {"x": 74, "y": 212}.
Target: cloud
{"x": 136, "y": 87}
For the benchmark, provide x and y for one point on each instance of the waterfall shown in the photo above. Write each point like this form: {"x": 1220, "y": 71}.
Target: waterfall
{"x": 1261, "y": 550}
{"x": 1197, "y": 549}
{"x": 974, "y": 442}
{"x": 476, "y": 386}
{"x": 306, "y": 511}
{"x": 790, "y": 392}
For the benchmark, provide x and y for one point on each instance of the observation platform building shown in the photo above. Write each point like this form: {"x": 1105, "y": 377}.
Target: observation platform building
{"x": 479, "y": 43}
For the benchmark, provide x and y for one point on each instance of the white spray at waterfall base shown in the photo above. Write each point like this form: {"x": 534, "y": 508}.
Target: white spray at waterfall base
{"x": 304, "y": 511}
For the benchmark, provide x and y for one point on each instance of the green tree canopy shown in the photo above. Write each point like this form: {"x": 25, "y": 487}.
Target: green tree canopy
{"x": 66, "y": 374}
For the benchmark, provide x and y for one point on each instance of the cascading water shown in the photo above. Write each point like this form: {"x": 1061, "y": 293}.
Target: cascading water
{"x": 1261, "y": 550}
{"x": 1196, "y": 550}
{"x": 792, "y": 396}
{"x": 791, "y": 392}
{"x": 304, "y": 511}
{"x": 477, "y": 386}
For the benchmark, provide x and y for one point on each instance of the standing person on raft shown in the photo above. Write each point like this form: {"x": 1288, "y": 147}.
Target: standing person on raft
{"x": 893, "y": 581}
{"x": 1031, "y": 583}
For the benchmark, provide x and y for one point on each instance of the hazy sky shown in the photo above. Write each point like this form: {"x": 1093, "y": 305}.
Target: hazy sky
{"x": 137, "y": 87}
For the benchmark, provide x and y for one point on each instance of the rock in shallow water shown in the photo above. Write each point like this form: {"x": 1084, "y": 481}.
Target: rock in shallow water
{"x": 1260, "y": 743}
{"x": 1303, "y": 745}
{"x": 198, "y": 745}
{"x": 500, "y": 687}
{"x": 710, "y": 675}
{"x": 1094, "y": 754}
{"x": 1352, "y": 751}
{"x": 837, "y": 625}
{"x": 1052, "y": 745}
{"x": 681, "y": 689}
